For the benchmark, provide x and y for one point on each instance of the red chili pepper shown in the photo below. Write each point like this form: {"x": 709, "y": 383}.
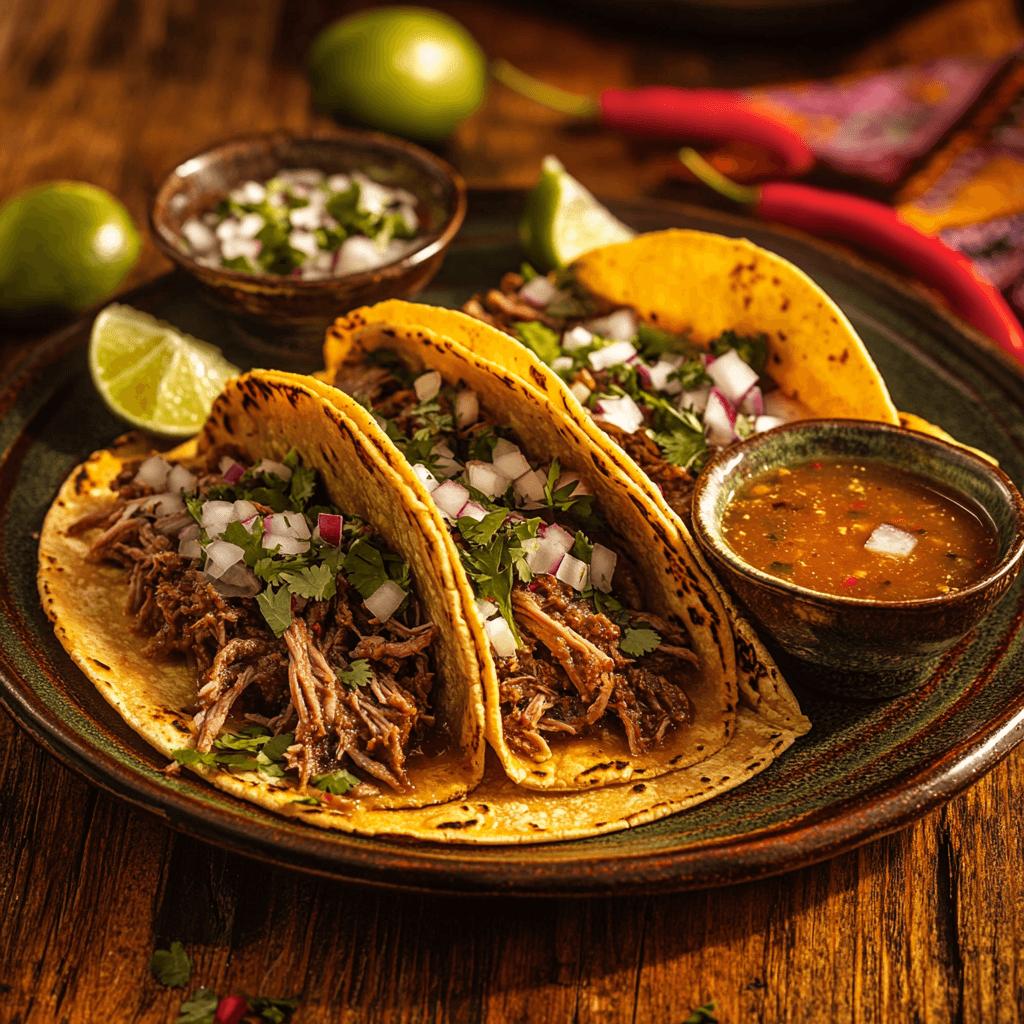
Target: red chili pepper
{"x": 662, "y": 112}
{"x": 877, "y": 226}
{"x": 230, "y": 1010}
{"x": 850, "y": 581}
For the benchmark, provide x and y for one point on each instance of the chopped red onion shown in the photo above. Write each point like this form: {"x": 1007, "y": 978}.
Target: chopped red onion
{"x": 450, "y": 497}
{"x": 719, "y": 421}
{"x": 622, "y": 412}
{"x": 887, "y": 539}
{"x": 427, "y": 385}
{"x": 425, "y": 477}
{"x": 732, "y": 376}
{"x": 329, "y": 526}
{"x": 753, "y": 402}
{"x": 232, "y": 471}
{"x": 485, "y": 478}
{"x": 602, "y": 567}
{"x": 622, "y": 325}
{"x": 573, "y": 571}
{"x": 472, "y": 510}
{"x": 384, "y": 601}
{"x": 508, "y": 460}
{"x": 611, "y": 355}
{"x": 539, "y": 292}
{"x": 467, "y": 408}
{"x": 503, "y": 640}
{"x": 578, "y": 337}
{"x": 153, "y": 473}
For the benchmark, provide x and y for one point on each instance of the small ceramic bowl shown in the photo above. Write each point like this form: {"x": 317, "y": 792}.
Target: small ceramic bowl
{"x": 283, "y": 319}
{"x": 859, "y": 647}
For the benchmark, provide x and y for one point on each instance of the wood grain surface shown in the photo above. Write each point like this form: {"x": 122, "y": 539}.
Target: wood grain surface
{"x": 925, "y": 925}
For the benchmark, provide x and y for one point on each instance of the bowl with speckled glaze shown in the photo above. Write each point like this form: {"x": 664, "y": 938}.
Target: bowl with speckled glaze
{"x": 284, "y": 318}
{"x": 854, "y": 646}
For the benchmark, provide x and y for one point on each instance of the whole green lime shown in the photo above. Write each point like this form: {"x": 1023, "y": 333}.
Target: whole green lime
{"x": 65, "y": 244}
{"x": 405, "y": 70}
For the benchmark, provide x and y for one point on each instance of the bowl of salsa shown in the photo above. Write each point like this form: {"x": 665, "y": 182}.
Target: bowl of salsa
{"x": 862, "y": 549}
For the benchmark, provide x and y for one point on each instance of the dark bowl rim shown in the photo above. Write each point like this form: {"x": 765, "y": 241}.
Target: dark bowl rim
{"x": 442, "y": 238}
{"x": 721, "y": 552}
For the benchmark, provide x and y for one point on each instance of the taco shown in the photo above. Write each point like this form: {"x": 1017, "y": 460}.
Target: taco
{"x": 606, "y": 651}
{"x": 269, "y": 606}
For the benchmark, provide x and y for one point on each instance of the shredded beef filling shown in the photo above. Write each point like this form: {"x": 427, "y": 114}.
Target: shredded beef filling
{"x": 570, "y": 674}
{"x": 503, "y": 309}
{"x": 289, "y": 684}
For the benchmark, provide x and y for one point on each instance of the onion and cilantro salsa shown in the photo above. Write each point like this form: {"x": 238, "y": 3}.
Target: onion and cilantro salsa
{"x": 573, "y": 648}
{"x": 860, "y": 529}
{"x": 668, "y": 403}
{"x": 306, "y": 224}
{"x": 298, "y": 620}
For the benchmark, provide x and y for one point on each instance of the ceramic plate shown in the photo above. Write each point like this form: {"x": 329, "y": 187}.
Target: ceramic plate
{"x": 864, "y": 769}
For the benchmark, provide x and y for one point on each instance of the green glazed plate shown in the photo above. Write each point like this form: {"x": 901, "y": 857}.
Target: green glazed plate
{"x": 863, "y": 770}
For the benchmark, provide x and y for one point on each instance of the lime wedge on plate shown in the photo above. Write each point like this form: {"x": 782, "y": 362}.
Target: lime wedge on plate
{"x": 562, "y": 220}
{"x": 151, "y": 374}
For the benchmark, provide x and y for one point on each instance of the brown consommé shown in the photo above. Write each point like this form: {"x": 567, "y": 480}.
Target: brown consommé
{"x": 815, "y": 524}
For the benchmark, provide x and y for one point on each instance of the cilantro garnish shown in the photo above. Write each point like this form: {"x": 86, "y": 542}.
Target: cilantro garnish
{"x": 200, "y": 1008}
{"x": 274, "y": 1011}
{"x": 367, "y": 567}
{"x": 303, "y": 483}
{"x": 252, "y": 749}
{"x": 542, "y": 341}
{"x": 581, "y": 548}
{"x": 171, "y": 967}
{"x": 527, "y": 272}
{"x": 336, "y": 783}
{"x": 691, "y": 375}
{"x": 638, "y": 641}
{"x": 480, "y": 533}
{"x": 315, "y": 582}
{"x": 684, "y": 448}
{"x": 652, "y": 342}
{"x": 276, "y": 606}
{"x": 250, "y": 543}
{"x": 481, "y": 445}
{"x": 358, "y": 673}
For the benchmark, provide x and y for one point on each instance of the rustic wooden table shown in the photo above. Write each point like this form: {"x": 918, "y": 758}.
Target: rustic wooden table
{"x": 925, "y": 925}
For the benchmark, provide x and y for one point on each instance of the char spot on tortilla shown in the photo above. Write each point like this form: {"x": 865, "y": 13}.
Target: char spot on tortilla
{"x": 248, "y": 402}
{"x": 621, "y": 764}
{"x": 753, "y": 767}
{"x": 785, "y": 305}
{"x": 746, "y": 301}
{"x": 541, "y": 774}
{"x": 180, "y": 726}
{"x": 675, "y": 759}
{"x": 390, "y": 332}
{"x": 596, "y": 767}
{"x": 80, "y": 479}
{"x": 704, "y": 778}
{"x": 538, "y": 378}
{"x": 639, "y": 788}
{"x": 457, "y": 824}
{"x": 95, "y": 661}
{"x": 695, "y": 617}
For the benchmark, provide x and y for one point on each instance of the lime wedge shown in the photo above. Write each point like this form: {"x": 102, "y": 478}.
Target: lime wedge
{"x": 562, "y": 220}
{"x": 151, "y": 374}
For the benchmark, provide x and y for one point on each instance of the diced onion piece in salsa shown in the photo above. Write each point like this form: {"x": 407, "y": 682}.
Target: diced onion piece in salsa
{"x": 485, "y": 478}
{"x": 509, "y": 461}
{"x": 529, "y": 489}
{"x": 887, "y": 539}
{"x": 473, "y": 510}
{"x": 732, "y": 376}
{"x": 560, "y": 536}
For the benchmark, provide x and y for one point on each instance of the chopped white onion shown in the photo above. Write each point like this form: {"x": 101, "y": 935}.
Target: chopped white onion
{"x": 190, "y": 548}
{"x": 562, "y": 538}
{"x": 573, "y": 571}
{"x": 427, "y": 385}
{"x": 286, "y": 524}
{"x": 216, "y": 515}
{"x": 467, "y": 408}
{"x": 539, "y": 292}
{"x": 161, "y": 505}
{"x": 580, "y": 392}
{"x": 238, "y": 581}
{"x": 269, "y": 466}
{"x": 245, "y": 510}
{"x": 486, "y": 609}
{"x": 732, "y": 376}
{"x": 472, "y": 510}
{"x": 529, "y": 489}
{"x": 250, "y": 226}
{"x": 248, "y": 194}
{"x": 153, "y": 473}
{"x": 425, "y": 477}
{"x": 623, "y": 412}
{"x": 568, "y": 477}
{"x": 602, "y": 567}
{"x": 359, "y": 254}
{"x": 697, "y": 399}
{"x": 445, "y": 463}
{"x": 561, "y": 363}
{"x": 220, "y": 556}
{"x": 763, "y": 423}
{"x": 778, "y": 403}
{"x": 486, "y": 478}
{"x": 286, "y": 545}
{"x": 887, "y": 539}
{"x": 611, "y": 355}
{"x": 543, "y": 554}
{"x": 232, "y": 248}
{"x": 199, "y": 237}
{"x": 180, "y": 480}
{"x": 622, "y": 325}
{"x": 503, "y": 640}
{"x": 450, "y": 497}
{"x": 578, "y": 337}
{"x": 508, "y": 460}
{"x": 384, "y": 601}
{"x": 660, "y": 372}
{"x": 719, "y": 421}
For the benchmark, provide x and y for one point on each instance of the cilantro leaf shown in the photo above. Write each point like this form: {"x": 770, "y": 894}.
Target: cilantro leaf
{"x": 273, "y": 1011}
{"x": 702, "y": 1015}
{"x": 541, "y": 340}
{"x": 358, "y": 673}
{"x": 481, "y": 533}
{"x": 276, "y": 746}
{"x": 652, "y": 341}
{"x": 581, "y": 548}
{"x": 364, "y": 567}
{"x": 315, "y": 582}
{"x": 200, "y": 1009}
{"x": 190, "y": 757}
{"x": 171, "y": 967}
{"x": 303, "y": 483}
{"x": 526, "y": 272}
{"x": 690, "y": 375}
{"x": 482, "y": 445}
{"x": 250, "y": 543}
{"x": 682, "y": 448}
{"x": 194, "y": 504}
{"x": 637, "y": 642}
{"x": 276, "y": 606}
{"x": 336, "y": 783}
